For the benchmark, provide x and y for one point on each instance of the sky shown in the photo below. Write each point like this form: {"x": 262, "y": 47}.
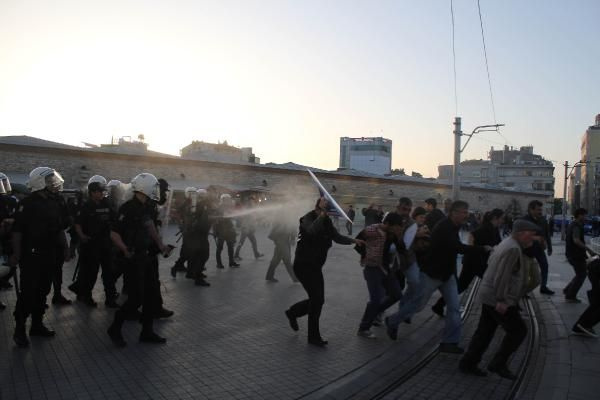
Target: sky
{"x": 289, "y": 78}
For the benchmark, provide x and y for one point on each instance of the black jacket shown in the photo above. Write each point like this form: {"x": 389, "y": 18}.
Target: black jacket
{"x": 433, "y": 217}
{"x": 544, "y": 231}
{"x": 485, "y": 235}
{"x": 440, "y": 263}
{"x": 314, "y": 240}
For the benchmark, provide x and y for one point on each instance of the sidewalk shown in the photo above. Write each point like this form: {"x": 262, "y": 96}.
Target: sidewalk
{"x": 571, "y": 368}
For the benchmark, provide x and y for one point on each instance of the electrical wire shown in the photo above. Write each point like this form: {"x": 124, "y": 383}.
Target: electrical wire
{"x": 487, "y": 68}
{"x": 454, "y": 60}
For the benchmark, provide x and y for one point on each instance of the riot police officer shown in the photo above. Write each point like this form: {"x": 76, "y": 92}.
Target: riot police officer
{"x": 134, "y": 234}
{"x": 198, "y": 229}
{"x": 225, "y": 231}
{"x": 7, "y": 209}
{"x": 184, "y": 211}
{"x": 38, "y": 236}
{"x": 92, "y": 224}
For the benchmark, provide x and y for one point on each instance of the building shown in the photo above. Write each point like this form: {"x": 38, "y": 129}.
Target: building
{"x": 590, "y": 174}
{"x": 372, "y": 154}
{"x": 509, "y": 168}
{"x": 220, "y": 152}
{"x": 574, "y": 189}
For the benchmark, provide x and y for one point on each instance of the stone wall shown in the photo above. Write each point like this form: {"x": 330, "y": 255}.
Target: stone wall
{"x": 77, "y": 166}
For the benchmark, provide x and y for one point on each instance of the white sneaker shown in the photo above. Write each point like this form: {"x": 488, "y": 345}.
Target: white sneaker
{"x": 366, "y": 334}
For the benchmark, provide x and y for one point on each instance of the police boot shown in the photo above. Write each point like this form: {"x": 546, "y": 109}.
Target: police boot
{"x": 149, "y": 336}
{"x": 20, "y": 337}
{"x": 114, "y": 331}
{"x": 39, "y": 329}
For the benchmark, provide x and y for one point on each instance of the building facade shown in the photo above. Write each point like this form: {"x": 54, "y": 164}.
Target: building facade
{"x": 220, "y": 152}
{"x": 590, "y": 172}
{"x": 508, "y": 168}
{"x": 369, "y": 154}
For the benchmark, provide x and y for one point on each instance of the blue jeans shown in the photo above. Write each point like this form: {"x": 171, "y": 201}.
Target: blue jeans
{"x": 427, "y": 287}
{"x": 384, "y": 291}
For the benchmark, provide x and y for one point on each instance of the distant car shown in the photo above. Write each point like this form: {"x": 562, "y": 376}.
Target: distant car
{"x": 558, "y": 222}
{"x": 587, "y": 226}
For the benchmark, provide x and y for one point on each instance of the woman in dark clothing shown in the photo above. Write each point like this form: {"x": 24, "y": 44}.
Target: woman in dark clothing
{"x": 487, "y": 234}
{"x": 314, "y": 240}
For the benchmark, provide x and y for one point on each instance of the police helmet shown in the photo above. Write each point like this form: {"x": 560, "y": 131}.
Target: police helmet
{"x": 147, "y": 184}
{"x": 202, "y": 193}
{"x": 189, "y": 191}
{"x": 45, "y": 178}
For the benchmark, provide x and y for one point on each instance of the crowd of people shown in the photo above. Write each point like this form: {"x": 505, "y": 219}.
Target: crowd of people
{"x": 408, "y": 255}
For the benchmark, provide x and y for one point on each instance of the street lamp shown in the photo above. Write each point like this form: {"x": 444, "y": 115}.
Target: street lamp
{"x": 458, "y": 150}
{"x": 567, "y": 176}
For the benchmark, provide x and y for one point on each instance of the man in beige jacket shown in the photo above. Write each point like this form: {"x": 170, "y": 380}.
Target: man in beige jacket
{"x": 510, "y": 275}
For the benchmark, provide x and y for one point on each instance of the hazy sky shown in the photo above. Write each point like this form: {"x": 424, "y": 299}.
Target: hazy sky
{"x": 288, "y": 78}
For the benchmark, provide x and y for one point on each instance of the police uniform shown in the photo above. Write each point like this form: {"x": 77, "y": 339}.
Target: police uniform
{"x": 225, "y": 232}
{"x": 132, "y": 225}
{"x": 40, "y": 222}
{"x": 65, "y": 222}
{"x": 198, "y": 253}
{"x": 184, "y": 214}
{"x": 95, "y": 218}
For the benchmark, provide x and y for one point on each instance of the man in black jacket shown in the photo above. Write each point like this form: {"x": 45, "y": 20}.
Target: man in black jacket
{"x": 576, "y": 253}
{"x": 438, "y": 272}
{"x": 542, "y": 244}
{"x": 314, "y": 241}
{"x": 434, "y": 214}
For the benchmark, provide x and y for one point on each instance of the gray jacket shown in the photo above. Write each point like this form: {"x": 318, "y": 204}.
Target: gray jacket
{"x": 509, "y": 276}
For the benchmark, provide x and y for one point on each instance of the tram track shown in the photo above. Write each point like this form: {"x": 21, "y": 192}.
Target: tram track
{"x": 518, "y": 387}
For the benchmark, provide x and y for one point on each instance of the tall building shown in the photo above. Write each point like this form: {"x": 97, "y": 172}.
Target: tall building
{"x": 574, "y": 190}
{"x": 508, "y": 168}
{"x": 590, "y": 174}
{"x": 219, "y": 152}
{"x": 369, "y": 154}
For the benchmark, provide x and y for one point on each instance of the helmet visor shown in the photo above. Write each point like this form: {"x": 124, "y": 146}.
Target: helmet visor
{"x": 54, "y": 182}
{"x": 2, "y": 189}
{"x": 6, "y": 183}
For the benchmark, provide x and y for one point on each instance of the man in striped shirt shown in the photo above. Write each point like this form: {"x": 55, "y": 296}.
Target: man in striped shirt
{"x": 380, "y": 280}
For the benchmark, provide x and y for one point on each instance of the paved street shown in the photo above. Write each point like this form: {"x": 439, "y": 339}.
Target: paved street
{"x": 232, "y": 341}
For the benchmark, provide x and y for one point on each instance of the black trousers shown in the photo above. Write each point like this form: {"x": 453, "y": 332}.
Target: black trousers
{"x": 92, "y": 257}
{"x": 57, "y": 275}
{"x": 281, "y": 253}
{"x": 513, "y": 325}
{"x": 183, "y": 252}
{"x": 542, "y": 260}
{"x": 198, "y": 256}
{"x": 247, "y": 233}
{"x": 220, "y": 244}
{"x": 311, "y": 279}
{"x": 591, "y": 315}
{"x": 143, "y": 290}
{"x": 36, "y": 274}
{"x": 580, "y": 269}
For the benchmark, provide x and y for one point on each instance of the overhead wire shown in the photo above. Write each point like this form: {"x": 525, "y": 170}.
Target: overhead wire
{"x": 454, "y": 60}
{"x": 487, "y": 68}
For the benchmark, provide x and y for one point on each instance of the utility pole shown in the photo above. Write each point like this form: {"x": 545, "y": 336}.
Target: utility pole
{"x": 456, "y": 170}
{"x": 564, "y": 208}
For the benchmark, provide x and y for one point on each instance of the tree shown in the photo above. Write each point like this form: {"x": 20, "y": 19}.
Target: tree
{"x": 141, "y": 137}
{"x": 397, "y": 171}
